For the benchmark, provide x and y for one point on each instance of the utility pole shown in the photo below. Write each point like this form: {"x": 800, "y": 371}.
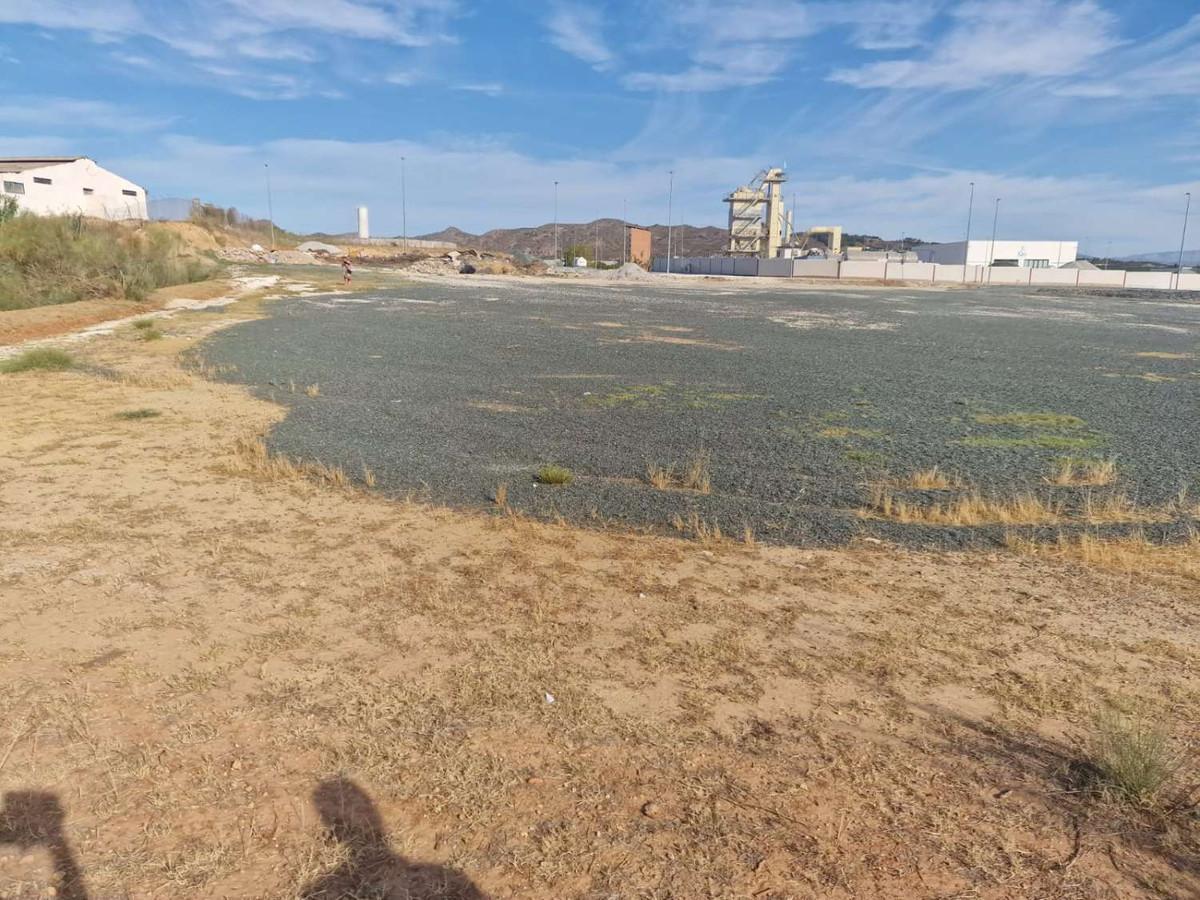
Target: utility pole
{"x": 624, "y": 227}
{"x": 992, "y": 247}
{"x": 1182, "y": 238}
{"x": 670, "y": 203}
{"x": 596, "y": 251}
{"x": 270, "y": 207}
{"x": 967, "y": 245}
{"x": 403, "y": 206}
{"x": 556, "y": 256}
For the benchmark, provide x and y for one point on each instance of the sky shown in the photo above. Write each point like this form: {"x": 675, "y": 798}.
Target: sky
{"x": 1082, "y": 116}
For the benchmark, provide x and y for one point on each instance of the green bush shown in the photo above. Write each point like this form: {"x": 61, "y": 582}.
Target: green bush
{"x": 61, "y": 259}
{"x": 44, "y": 359}
{"x": 554, "y": 475}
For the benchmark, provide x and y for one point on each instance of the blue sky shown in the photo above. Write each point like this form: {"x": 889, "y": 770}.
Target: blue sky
{"x": 1083, "y": 116}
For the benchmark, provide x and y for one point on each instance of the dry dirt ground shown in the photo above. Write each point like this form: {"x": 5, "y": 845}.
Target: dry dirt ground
{"x": 224, "y": 676}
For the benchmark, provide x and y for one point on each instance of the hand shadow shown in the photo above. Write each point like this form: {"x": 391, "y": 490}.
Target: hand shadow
{"x": 35, "y": 818}
{"x": 373, "y": 870}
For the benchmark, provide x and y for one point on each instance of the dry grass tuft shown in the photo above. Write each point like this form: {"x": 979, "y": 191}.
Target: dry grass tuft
{"x": 369, "y": 478}
{"x": 313, "y": 390}
{"x": 932, "y": 480}
{"x": 698, "y": 528}
{"x": 969, "y": 509}
{"x": 500, "y": 497}
{"x": 253, "y": 458}
{"x": 1073, "y": 472}
{"x": 1129, "y": 555}
{"x": 693, "y": 476}
{"x": 1132, "y": 758}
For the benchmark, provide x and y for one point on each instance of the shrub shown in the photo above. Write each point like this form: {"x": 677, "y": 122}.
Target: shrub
{"x": 554, "y": 475}
{"x": 61, "y": 259}
{"x": 46, "y": 359}
{"x": 1132, "y": 759}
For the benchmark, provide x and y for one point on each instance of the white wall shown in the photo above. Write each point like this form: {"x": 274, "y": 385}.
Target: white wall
{"x": 1102, "y": 277}
{"x": 815, "y": 268}
{"x": 925, "y": 272}
{"x": 981, "y": 253}
{"x": 65, "y": 193}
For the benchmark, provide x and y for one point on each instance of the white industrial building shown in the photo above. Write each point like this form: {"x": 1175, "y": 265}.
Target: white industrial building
{"x": 71, "y": 185}
{"x": 1021, "y": 254}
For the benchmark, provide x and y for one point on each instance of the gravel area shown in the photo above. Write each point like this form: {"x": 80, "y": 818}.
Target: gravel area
{"x": 800, "y": 399}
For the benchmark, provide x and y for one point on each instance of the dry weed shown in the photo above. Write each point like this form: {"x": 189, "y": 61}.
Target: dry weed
{"x": 313, "y": 390}
{"x": 932, "y": 480}
{"x": 253, "y": 458}
{"x": 1072, "y": 472}
{"x": 694, "y": 475}
{"x": 1129, "y": 555}
{"x": 701, "y": 530}
{"x": 969, "y": 509}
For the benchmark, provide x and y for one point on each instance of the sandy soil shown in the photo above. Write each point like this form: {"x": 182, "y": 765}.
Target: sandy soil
{"x": 226, "y": 676}
{"x": 20, "y": 325}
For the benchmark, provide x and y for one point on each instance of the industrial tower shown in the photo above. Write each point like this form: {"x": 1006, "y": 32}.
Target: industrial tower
{"x": 756, "y": 216}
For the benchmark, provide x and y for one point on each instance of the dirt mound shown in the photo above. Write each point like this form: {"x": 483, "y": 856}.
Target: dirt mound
{"x": 194, "y": 237}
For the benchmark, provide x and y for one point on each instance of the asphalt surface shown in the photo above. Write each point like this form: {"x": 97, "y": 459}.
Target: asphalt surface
{"x": 800, "y": 399}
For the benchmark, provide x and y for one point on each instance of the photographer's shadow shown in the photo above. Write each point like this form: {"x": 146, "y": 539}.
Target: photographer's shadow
{"x": 32, "y": 819}
{"x": 373, "y": 869}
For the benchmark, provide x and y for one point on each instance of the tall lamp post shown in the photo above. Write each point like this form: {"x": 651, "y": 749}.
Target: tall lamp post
{"x": 270, "y": 208}
{"x": 556, "y": 255}
{"x": 967, "y": 245}
{"x": 992, "y": 246}
{"x": 624, "y": 227}
{"x": 403, "y": 206}
{"x": 1182, "y": 238}
{"x": 670, "y": 203}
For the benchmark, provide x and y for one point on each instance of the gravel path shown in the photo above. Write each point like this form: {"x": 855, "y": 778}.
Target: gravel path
{"x": 800, "y": 399}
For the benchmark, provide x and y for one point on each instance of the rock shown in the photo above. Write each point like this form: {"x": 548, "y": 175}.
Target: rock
{"x": 651, "y": 810}
{"x": 319, "y": 247}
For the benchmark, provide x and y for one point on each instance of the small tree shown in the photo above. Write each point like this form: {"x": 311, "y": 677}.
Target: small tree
{"x": 8, "y": 208}
{"x": 570, "y": 254}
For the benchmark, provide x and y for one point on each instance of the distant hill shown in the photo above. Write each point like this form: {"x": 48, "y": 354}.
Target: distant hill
{"x": 1167, "y": 258}
{"x": 538, "y": 241}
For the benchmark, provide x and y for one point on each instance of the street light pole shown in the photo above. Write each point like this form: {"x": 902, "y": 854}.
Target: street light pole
{"x": 670, "y": 204}
{"x": 270, "y": 207}
{"x": 992, "y": 247}
{"x": 624, "y": 227}
{"x": 967, "y": 245}
{"x": 556, "y": 220}
{"x": 1182, "y": 238}
{"x": 403, "y": 206}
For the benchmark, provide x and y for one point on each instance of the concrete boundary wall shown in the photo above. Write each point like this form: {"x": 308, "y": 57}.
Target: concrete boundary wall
{"x": 927, "y": 273}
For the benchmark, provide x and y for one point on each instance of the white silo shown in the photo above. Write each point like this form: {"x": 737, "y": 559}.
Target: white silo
{"x": 364, "y": 230}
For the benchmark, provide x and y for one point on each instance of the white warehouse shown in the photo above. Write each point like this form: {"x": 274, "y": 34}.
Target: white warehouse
{"x": 1023, "y": 254}
{"x": 69, "y": 185}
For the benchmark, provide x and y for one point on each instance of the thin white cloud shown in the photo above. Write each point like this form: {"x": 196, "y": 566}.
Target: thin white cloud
{"x": 68, "y": 113}
{"x": 1168, "y": 66}
{"x": 991, "y": 40}
{"x": 742, "y": 44}
{"x": 489, "y": 88}
{"x": 114, "y": 17}
{"x": 578, "y": 30}
{"x": 254, "y": 48}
